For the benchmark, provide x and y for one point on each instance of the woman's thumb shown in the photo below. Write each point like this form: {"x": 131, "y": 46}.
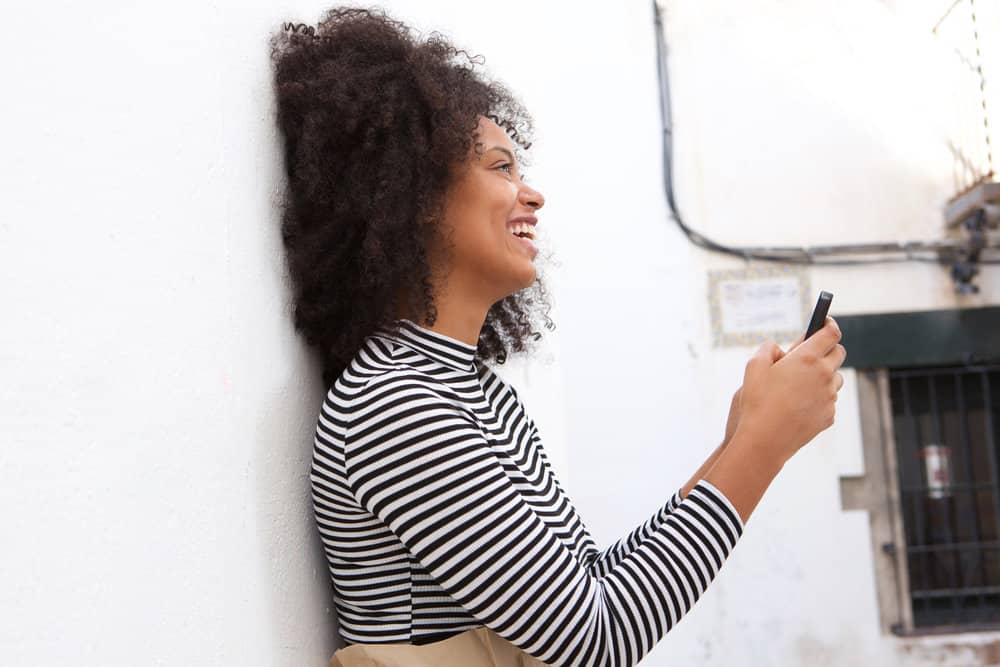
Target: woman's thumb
{"x": 765, "y": 357}
{"x": 770, "y": 352}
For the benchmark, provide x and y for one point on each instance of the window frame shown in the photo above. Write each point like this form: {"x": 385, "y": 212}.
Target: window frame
{"x": 878, "y": 492}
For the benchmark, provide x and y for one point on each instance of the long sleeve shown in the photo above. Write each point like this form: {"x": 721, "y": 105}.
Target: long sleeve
{"x": 423, "y": 466}
{"x": 600, "y": 563}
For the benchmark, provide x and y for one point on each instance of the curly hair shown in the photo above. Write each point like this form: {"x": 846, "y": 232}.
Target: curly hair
{"x": 374, "y": 122}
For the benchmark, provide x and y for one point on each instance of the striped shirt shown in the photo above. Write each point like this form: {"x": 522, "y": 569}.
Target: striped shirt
{"x": 439, "y": 512}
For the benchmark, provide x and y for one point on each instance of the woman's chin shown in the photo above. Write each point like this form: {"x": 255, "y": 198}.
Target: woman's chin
{"x": 527, "y": 278}
{"x": 525, "y": 263}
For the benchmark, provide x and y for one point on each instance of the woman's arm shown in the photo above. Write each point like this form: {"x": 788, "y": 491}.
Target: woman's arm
{"x": 743, "y": 472}
{"x": 785, "y": 400}
{"x": 731, "y": 421}
{"x": 600, "y": 563}
{"x": 703, "y": 470}
{"x": 423, "y": 466}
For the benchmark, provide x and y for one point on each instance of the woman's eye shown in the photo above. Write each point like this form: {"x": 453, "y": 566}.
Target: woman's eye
{"x": 507, "y": 165}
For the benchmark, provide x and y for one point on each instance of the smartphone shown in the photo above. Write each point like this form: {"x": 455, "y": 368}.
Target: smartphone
{"x": 818, "y": 318}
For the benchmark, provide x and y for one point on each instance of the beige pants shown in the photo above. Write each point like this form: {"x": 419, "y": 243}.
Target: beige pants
{"x": 478, "y": 647}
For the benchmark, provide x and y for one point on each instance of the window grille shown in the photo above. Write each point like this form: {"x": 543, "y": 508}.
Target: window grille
{"x": 946, "y": 423}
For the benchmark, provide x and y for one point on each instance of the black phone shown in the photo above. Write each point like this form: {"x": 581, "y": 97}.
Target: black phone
{"x": 818, "y": 318}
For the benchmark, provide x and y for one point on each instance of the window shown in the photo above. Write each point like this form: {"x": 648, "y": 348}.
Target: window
{"x": 931, "y": 433}
{"x": 945, "y": 422}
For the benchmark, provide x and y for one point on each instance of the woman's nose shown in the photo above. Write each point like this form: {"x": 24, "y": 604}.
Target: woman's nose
{"x": 531, "y": 197}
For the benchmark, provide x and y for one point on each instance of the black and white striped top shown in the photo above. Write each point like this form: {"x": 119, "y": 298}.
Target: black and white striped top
{"x": 439, "y": 512}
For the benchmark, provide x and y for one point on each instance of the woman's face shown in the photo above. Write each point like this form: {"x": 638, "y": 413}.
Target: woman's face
{"x": 482, "y": 207}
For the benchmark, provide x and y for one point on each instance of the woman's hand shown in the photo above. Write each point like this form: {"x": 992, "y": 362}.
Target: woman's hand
{"x": 788, "y": 398}
{"x": 734, "y": 407}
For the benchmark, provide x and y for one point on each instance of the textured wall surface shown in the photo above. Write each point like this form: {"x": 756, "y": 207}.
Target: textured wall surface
{"x": 157, "y": 411}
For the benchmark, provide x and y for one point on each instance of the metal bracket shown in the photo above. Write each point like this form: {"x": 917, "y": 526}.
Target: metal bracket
{"x": 974, "y": 212}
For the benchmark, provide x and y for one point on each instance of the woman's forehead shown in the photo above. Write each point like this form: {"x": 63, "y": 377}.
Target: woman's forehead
{"x": 489, "y": 134}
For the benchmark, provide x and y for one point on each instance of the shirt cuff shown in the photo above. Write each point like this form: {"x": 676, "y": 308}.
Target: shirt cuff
{"x": 674, "y": 501}
{"x": 722, "y": 500}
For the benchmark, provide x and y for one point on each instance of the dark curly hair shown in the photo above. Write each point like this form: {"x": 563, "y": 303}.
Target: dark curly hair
{"x": 374, "y": 121}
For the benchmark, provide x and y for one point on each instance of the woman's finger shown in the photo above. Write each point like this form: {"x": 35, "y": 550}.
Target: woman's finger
{"x": 837, "y": 355}
{"x": 798, "y": 341}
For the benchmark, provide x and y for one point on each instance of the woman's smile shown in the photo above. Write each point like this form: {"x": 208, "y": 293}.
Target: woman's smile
{"x": 523, "y": 229}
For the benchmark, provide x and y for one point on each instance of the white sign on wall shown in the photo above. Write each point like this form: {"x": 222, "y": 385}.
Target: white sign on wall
{"x": 749, "y": 306}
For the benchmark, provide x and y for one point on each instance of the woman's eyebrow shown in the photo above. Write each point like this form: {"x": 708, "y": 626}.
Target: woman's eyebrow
{"x": 504, "y": 150}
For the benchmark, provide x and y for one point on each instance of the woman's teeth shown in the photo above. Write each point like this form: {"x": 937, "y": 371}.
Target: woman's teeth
{"x": 523, "y": 229}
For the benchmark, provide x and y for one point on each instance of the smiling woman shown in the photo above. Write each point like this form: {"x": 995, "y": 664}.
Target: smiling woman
{"x": 410, "y": 234}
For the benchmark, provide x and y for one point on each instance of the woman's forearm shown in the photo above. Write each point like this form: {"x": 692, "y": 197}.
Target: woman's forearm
{"x": 731, "y": 422}
{"x": 703, "y": 470}
{"x": 743, "y": 472}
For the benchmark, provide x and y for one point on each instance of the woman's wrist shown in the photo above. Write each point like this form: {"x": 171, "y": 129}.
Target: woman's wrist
{"x": 744, "y": 470}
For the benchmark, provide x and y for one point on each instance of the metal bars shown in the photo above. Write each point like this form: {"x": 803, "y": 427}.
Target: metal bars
{"x": 945, "y": 422}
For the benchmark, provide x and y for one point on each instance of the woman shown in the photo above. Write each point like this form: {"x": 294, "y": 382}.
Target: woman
{"x": 408, "y": 227}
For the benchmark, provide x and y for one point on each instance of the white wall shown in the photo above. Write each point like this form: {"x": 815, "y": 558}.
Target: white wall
{"x": 156, "y": 405}
{"x": 157, "y": 409}
{"x": 795, "y": 123}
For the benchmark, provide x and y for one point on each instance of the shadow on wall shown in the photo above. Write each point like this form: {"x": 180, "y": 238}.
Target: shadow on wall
{"x": 300, "y": 603}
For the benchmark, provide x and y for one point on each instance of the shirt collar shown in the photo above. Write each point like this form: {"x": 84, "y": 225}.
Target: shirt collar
{"x": 447, "y": 350}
